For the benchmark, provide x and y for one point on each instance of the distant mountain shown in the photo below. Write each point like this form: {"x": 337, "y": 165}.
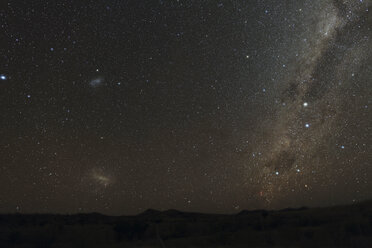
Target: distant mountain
{"x": 341, "y": 226}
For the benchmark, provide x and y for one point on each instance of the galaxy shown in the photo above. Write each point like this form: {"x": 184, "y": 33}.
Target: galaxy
{"x": 206, "y": 106}
{"x": 96, "y": 82}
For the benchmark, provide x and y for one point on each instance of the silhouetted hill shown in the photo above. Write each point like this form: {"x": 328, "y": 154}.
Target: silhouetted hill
{"x": 341, "y": 226}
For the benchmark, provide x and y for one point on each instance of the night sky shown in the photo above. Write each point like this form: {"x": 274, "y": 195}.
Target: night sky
{"x": 118, "y": 106}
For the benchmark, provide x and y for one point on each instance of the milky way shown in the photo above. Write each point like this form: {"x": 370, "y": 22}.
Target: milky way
{"x": 120, "y": 106}
{"x": 313, "y": 106}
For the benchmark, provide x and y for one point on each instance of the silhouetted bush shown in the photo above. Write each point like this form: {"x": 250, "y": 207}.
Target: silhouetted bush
{"x": 43, "y": 241}
{"x": 275, "y": 223}
{"x": 303, "y": 222}
{"x": 258, "y": 227}
{"x": 353, "y": 228}
{"x": 264, "y": 213}
{"x": 180, "y": 230}
{"x": 14, "y": 238}
{"x": 130, "y": 230}
{"x": 309, "y": 234}
{"x": 222, "y": 239}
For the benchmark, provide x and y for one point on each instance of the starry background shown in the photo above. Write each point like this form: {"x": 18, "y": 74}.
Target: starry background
{"x": 210, "y": 106}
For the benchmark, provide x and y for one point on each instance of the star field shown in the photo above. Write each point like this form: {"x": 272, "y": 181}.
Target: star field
{"x": 120, "y": 106}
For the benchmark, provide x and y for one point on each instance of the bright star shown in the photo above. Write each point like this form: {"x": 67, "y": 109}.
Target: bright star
{"x": 305, "y": 104}
{"x": 2, "y": 77}
{"x": 307, "y": 125}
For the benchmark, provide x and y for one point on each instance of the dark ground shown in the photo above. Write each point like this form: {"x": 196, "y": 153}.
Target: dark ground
{"x": 341, "y": 226}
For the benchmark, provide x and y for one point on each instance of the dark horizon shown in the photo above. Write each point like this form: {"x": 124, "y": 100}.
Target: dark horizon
{"x": 152, "y": 210}
{"x": 341, "y": 226}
